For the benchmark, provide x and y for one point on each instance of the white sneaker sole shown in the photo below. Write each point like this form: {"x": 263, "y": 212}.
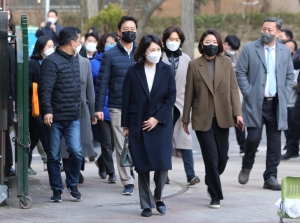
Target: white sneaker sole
{"x": 128, "y": 194}
{"x": 73, "y": 198}
{"x": 214, "y": 206}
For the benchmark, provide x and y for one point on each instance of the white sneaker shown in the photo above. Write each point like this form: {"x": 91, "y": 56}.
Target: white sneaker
{"x": 31, "y": 171}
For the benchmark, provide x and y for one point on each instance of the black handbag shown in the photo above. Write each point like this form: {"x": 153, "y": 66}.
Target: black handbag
{"x": 125, "y": 158}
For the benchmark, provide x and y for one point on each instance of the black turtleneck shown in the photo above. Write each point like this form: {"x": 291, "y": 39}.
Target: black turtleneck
{"x": 173, "y": 57}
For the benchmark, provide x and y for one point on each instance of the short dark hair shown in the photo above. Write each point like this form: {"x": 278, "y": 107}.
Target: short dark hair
{"x": 54, "y": 11}
{"x": 274, "y": 19}
{"x": 288, "y": 33}
{"x": 292, "y": 41}
{"x": 126, "y": 18}
{"x": 87, "y": 35}
{"x": 233, "y": 41}
{"x": 39, "y": 46}
{"x": 101, "y": 44}
{"x": 94, "y": 30}
{"x": 170, "y": 30}
{"x": 139, "y": 55}
{"x": 218, "y": 37}
{"x": 67, "y": 34}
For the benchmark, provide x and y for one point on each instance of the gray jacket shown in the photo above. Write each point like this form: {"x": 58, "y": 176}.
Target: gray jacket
{"x": 251, "y": 71}
{"x": 87, "y": 109}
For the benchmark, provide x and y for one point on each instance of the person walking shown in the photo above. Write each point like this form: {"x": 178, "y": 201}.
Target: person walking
{"x": 60, "y": 103}
{"x": 265, "y": 75}
{"x": 173, "y": 39}
{"x": 44, "y": 47}
{"x": 212, "y": 93}
{"x": 105, "y": 161}
{"x": 149, "y": 94}
{"x": 114, "y": 65}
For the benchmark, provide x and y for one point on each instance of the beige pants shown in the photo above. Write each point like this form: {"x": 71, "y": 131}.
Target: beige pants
{"x": 115, "y": 117}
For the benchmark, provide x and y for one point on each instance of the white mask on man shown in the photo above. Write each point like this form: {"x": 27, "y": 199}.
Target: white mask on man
{"x": 172, "y": 46}
{"x": 230, "y": 52}
{"x": 154, "y": 57}
{"x": 91, "y": 47}
{"x": 78, "y": 48}
{"x": 52, "y": 20}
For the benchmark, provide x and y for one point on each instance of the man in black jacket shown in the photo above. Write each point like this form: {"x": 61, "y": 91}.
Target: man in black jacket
{"x": 50, "y": 28}
{"x": 59, "y": 93}
{"x": 114, "y": 65}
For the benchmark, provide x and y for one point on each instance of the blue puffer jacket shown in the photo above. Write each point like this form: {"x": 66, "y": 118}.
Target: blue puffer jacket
{"x": 95, "y": 65}
{"x": 114, "y": 65}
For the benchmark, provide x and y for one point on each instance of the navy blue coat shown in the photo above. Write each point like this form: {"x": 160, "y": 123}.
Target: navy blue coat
{"x": 151, "y": 151}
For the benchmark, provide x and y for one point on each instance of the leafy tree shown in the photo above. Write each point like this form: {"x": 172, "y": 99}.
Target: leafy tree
{"x": 107, "y": 19}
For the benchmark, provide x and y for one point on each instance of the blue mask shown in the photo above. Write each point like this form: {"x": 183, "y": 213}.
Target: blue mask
{"x": 109, "y": 46}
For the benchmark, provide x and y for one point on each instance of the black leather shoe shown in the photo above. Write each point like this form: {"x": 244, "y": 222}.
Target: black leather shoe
{"x": 168, "y": 180}
{"x": 215, "y": 204}
{"x": 81, "y": 179}
{"x": 112, "y": 178}
{"x": 146, "y": 212}
{"x": 244, "y": 176}
{"x": 101, "y": 170}
{"x": 289, "y": 155}
{"x": 161, "y": 207}
{"x": 272, "y": 184}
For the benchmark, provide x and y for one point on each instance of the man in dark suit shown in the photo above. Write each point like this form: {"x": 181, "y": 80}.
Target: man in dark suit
{"x": 265, "y": 76}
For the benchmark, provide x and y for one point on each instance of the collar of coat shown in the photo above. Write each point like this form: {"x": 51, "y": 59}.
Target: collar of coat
{"x": 121, "y": 47}
{"x": 159, "y": 75}
{"x": 64, "y": 54}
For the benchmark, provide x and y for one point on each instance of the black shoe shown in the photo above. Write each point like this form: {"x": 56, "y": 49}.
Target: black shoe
{"x": 146, "y": 212}
{"x": 112, "y": 178}
{"x": 193, "y": 181}
{"x": 242, "y": 151}
{"x": 167, "y": 180}
{"x": 215, "y": 204}
{"x": 132, "y": 174}
{"x": 289, "y": 155}
{"x": 81, "y": 179}
{"x": 272, "y": 184}
{"x": 161, "y": 207}
{"x": 101, "y": 170}
{"x": 56, "y": 198}
{"x": 75, "y": 194}
{"x": 244, "y": 176}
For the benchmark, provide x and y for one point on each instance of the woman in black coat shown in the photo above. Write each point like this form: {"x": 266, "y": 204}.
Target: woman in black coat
{"x": 44, "y": 47}
{"x": 148, "y": 97}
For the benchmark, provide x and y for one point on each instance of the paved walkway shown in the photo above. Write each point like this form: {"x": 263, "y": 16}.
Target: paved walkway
{"x": 103, "y": 202}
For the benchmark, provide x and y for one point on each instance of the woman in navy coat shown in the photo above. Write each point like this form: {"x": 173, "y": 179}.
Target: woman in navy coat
{"x": 149, "y": 94}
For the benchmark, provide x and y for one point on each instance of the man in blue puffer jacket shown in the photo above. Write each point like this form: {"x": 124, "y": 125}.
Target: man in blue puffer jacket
{"x": 114, "y": 65}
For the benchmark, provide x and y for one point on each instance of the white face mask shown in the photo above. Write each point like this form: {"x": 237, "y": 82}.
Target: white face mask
{"x": 52, "y": 20}
{"x": 91, "y": 47}
{"x": 8, "y": 17}
{"x": 78, "y": 48}
{"x": 154, "y": 57}
{"x": 172, "y": 46}
{"x": 230, "y": 52}
{"x": 48, "y": 51}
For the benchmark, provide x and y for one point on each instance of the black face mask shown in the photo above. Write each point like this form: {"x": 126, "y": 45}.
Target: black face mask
{"x": 210, "y": 50}
{"x": 128, "y": 36}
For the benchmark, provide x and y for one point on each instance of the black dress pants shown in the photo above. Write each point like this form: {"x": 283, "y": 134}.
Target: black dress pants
{"x": 240, "y": 137}
{"x": 214, "y": 146}
{"x": 294, "y": 128}
{"x": 107, "y": 146}
{"x": 269, "y": 118}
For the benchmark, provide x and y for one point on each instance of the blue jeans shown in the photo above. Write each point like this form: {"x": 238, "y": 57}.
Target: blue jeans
{"x": 188, "y": 162}
{"x": 70, "y": 130}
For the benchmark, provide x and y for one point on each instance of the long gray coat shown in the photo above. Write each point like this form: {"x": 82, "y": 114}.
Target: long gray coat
{"x": 181, "y": 140}
{"x": 87, "y": 110}
{"x": 251, "y": 72}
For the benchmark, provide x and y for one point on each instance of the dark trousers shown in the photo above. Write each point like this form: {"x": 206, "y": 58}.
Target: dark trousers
{"x": 37, "y": 132}
{"x": 146, "y": 197}
{"x": 269, "y": 118}
{"x": 294, "y": 134}
{"x": 240, "y": 137}
{"x": 289, "y": 119}
{"x": 8, "y": 153}
{"x": 107, "y": 146}
{"x": 214, "y": 146}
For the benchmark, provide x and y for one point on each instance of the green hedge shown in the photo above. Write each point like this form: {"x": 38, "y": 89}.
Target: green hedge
{"x": 246, "y": 27}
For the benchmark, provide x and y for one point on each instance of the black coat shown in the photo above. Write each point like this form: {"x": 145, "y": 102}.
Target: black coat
{"x": 151, "y": 151}
{"x": 46, "y": 31}
{"x": 114, "y": 65}
{"x": 59, "y": 88}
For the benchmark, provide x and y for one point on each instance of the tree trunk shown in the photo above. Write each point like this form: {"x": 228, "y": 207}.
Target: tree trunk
{"x": 92, "y": 8}
{"x": 217, "y": 4}
{"x": 197, "y": 7}
{"x": 265, "y": 6}
{"x": 149, "y": 8}
{"x": 187, "y": 25}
